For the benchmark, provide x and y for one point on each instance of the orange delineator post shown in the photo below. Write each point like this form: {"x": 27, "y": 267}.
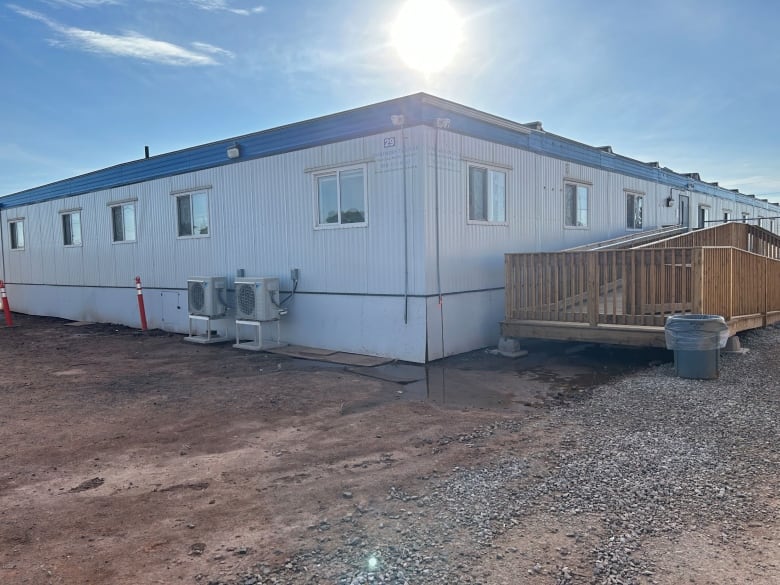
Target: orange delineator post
{"x": 6, "y": 308}
{"x": 141, "y": 308}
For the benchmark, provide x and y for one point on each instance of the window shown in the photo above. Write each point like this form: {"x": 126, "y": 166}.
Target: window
{"x": 71, "y": 228}
{"x": 341, "y": 198}
{"x": 123, "y": 222}
{"x": 192, "y": 212}
{"x": 634, "y": 207}
{"x": 576, "y": 205}
{"x": 726, "y": 216}
{"x": 487, "y": 194}
{"x": 17, "y": 234}
{"x": 745, "y": 217}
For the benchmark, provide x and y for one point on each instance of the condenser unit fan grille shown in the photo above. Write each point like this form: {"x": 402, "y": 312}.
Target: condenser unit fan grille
{"x": 197, "y": 296}
{"x": 245, "y": 298}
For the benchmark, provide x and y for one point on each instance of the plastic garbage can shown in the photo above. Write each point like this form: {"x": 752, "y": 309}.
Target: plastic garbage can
{"x": 696, "y": 341}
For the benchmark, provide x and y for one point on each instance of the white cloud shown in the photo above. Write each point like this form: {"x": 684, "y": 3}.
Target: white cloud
{"x": 210, "y": 5}
{"x": 82, "y": 3}
{"x": 211, "y": 49}
{"x": 224, "y": 5}
{"x": 137, "y": 46}
{"x": 130, "y": 44}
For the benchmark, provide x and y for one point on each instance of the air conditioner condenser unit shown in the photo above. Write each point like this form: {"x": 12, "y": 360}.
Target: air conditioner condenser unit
{"x": 257, "y": 299}
{"x": 206, "y": 296}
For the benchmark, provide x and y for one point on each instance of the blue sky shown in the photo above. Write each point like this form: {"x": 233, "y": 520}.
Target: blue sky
{"x": 693, "y": 84}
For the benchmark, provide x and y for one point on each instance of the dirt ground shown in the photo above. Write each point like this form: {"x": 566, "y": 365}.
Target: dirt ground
{"x": 130, "y": 457}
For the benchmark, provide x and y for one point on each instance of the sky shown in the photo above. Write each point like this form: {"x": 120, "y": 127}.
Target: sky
{"x": 86, "y": 84}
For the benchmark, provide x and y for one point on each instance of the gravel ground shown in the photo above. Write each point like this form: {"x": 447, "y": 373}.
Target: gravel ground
{"x": 649, "y": 457}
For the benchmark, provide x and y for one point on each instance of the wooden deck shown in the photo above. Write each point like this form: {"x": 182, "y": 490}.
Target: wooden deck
{"x": 624, "y": 296}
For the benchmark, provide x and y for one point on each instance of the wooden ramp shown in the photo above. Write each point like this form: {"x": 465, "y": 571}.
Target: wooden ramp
{"x": 624, "y": 295}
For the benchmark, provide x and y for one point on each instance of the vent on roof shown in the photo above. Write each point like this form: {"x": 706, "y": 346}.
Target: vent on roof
{"x": 734, "y": 190}
{"x": 714, "y": 183}
{"x": 654, "y": 164}
{"x": 606, "y": 149}
{"x": 534, "y": 125}
{"x": 694, "y": 176}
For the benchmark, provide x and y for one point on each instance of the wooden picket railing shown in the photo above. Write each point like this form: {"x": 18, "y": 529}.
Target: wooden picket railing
{"x": 623, "y": 287}
{"x": 643, "y": 286}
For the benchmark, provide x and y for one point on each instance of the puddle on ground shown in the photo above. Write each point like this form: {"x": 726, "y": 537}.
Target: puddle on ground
{"x": 475, "y": 389}
{"x": 552, "y": 373}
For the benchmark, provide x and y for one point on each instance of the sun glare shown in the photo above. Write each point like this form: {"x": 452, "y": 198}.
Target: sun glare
{"x": 427, "y": 34}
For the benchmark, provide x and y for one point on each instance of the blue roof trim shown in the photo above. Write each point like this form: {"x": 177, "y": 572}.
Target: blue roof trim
{"x": 369, "y": 120}
{"x": 563, "y": 148}
{"x": 334, "y": 128}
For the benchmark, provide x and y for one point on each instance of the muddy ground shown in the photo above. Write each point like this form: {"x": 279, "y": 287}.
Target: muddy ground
{"x": 130, "y": 457}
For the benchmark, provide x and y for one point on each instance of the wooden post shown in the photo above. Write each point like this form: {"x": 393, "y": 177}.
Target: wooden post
{"x": 766, "y": 291}
{"x": 593, "y": 289}
{"x": 730, "y": 272}
{"x": 509, "y": 288}
{"x": 697, "y": 279}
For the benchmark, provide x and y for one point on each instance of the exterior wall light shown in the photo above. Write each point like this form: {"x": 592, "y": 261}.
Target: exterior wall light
{"x": 233, "y": 151}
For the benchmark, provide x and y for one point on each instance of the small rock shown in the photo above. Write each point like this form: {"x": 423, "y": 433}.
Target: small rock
{"x": 197, "y": 548}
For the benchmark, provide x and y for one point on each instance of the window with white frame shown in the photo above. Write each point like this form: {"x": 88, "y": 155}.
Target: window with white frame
{"x": 341, "y": 197}
{"x": 71, "y": 228}
{"x": 192, "y": 214}
{"x": 634, "y": 210}
{"x": 487, "y": 194}
{"x": 16, "y": 229}
{"x": 576, "y": 197}
{"x": 123, "y": 222}
{"x": 745, "y": 217}
{"x": 726, "y": 216}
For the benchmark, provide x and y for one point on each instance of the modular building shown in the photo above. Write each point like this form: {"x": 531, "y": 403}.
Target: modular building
{"x": 396, "y": 217}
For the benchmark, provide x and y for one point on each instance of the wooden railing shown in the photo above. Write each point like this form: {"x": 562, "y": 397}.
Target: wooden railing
{"x": 643, "y": 286}
{"x": 628, "y": 287}
{"x": 740, "y": 285}
{"x": 743, "y": 236}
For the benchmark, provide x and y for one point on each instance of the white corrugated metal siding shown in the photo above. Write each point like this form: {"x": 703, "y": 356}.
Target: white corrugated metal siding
{"x": 261, "y": 220}
{"x": 352, "y": 280}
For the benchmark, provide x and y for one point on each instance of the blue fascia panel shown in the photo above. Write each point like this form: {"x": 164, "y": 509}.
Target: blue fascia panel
{"x": 334, "y": 128}
{"x": 556, "y": 146}
{"x": 418, "y": 109}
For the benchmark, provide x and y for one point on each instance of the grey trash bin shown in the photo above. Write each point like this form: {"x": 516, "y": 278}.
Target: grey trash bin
{"x": 696, "y": 341}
